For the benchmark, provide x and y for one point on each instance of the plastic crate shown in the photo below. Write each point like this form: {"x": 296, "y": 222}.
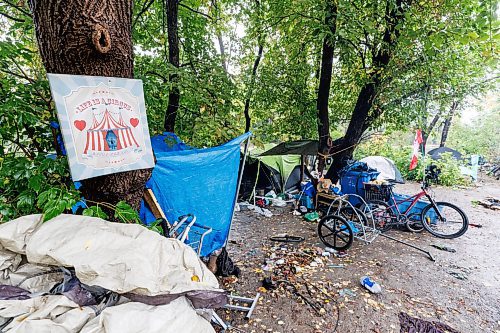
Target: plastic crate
{"x": 380, "y": 192}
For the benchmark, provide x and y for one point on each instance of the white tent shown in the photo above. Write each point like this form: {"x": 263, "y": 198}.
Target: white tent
{"x": 386, "y": 167}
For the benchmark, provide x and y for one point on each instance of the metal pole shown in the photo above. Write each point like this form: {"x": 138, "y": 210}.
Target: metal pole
{"x": 410, "y": 245}
{"x": 238, "y": 188}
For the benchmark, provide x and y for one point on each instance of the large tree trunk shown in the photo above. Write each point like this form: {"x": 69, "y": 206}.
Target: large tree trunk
{"x": 447, "y": 124}
{"x": 91, "y": 37}
{"x": 174, "y": 95}
{"x": 325, "y": 80}
{"x": 363, "y": 116}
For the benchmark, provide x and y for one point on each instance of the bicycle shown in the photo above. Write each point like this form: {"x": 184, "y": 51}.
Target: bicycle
{"x": 441, "y": 219}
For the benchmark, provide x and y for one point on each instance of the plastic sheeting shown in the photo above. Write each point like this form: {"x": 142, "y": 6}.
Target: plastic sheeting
{"x": 386, "y": 167}
{"x": 201, "y": 182}
{"x": 123, "y": 258}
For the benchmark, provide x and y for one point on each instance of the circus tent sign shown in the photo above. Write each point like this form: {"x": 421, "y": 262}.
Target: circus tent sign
{"x": 103, "y": 123}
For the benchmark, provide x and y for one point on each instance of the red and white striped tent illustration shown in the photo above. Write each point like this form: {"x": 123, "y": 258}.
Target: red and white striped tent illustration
{"x": 109, "y": 135}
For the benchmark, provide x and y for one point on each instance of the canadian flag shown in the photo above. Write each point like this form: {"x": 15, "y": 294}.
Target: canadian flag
{"x": 416, "y": 148}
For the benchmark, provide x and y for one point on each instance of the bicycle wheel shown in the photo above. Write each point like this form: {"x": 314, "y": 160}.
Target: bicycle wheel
{"x": 355, "y": 215}
{"x": 414, "y": 223}
{"x": 452, "y": 224}
{"x": 383, "y": 217}
{"x": 335, "y": 232}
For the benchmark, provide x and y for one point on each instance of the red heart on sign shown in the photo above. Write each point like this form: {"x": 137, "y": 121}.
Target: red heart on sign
{"x": 80, "y": 124}
{"x": 134, "y": 122}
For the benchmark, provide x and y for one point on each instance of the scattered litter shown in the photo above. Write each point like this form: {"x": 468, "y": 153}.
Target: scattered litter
{"x": 489, "y": 202}
{"x": 347, "y": 292}
{"x": 444, "y": 248}
{"x": 458, "y": 272}
{"x": 312, "y": 216}
{"x": 370, "y": 285}
{"x": 271, "y": 194}
{"x": 287, "y": 238}
{"x": 263, "y": 211}
{"x": 268, "y": 284}
{"x": 278, "y": 202}
{"x": 458, "y": 275}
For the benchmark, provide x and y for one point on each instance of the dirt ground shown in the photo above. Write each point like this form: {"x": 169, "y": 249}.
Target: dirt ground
{"x": 468, "y": 301}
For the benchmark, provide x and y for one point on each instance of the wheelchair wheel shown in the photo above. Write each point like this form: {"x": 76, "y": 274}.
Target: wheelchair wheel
{"x": 335, "y": 232}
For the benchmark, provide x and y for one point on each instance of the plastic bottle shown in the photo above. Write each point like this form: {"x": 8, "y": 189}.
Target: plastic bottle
{"x": 371, "y": 285}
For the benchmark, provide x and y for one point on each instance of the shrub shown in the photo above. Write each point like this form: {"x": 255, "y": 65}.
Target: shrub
{"x": 401, "y": 155}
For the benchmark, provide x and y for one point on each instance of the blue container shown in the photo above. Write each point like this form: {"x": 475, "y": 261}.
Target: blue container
{"x": 417, "y": 209}
{"x": 352, "y": 183}
{"x": 304, "y": 200}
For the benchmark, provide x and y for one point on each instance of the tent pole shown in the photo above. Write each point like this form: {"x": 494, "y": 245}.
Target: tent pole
{"x": 301, "y": 168}
{"x": 238, "y": 188}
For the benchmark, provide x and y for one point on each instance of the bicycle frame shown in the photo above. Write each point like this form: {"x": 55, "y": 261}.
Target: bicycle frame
{"x": 414, "y": 200}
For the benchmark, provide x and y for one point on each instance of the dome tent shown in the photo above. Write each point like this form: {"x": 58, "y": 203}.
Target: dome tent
{"x": 386, "y": 167}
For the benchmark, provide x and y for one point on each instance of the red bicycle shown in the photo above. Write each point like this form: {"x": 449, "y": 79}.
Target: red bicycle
{"x": 441, "y": 219}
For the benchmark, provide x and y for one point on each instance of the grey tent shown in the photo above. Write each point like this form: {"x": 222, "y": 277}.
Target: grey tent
{"x": 386, "y": 167}
{"x": 436, "y": 153}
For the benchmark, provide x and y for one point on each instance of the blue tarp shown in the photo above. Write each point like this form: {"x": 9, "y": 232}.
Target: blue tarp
{"x": 201, "y": 182}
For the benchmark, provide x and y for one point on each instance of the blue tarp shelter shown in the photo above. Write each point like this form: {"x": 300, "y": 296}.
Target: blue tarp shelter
{"x": 202, "y": 182}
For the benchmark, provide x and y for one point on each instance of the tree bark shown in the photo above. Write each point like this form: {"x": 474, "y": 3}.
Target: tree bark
{"x": 174, "y": 96}
{"x": 91, "y": 37}
{"x": 362, "y": 118}
{"x": 325, "y": 80}
{"x": 253, "y": 75}
{"x": 426, "y": 132}
{"x": 447, "y": 124}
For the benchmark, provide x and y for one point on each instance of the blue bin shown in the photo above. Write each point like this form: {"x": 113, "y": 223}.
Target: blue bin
{"x": 352, "y": 183}
{"x": 417, "y": 209}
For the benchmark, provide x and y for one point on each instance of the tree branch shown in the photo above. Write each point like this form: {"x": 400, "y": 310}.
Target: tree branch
{"x": 12, "y": 18}
{"x": 196, "y": 11}
{"x": 19, "y": 8}
{"x": 165, "y": 80}
{"x": 145, "y": 7}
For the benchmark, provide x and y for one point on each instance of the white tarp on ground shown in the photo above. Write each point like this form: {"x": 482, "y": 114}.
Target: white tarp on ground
{"x": 119, "y": 257}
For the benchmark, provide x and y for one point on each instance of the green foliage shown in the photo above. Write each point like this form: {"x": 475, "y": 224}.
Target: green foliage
{"x": 38, "y": 185}
{"x": 401, "y": 155}
{"x": 95, "y": 211}
{"x": 123, "y": 213}
{"x": 442, "y": 53}
{"x": 450, "y": 171}
{"x": 481, "y": 137}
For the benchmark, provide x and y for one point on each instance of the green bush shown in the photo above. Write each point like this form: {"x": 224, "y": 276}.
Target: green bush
{"x": 401, "y": 155}
{"x": 38, "y": 185}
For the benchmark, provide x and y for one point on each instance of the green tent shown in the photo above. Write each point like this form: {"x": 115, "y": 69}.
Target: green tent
{"x": 284, "y": 164}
